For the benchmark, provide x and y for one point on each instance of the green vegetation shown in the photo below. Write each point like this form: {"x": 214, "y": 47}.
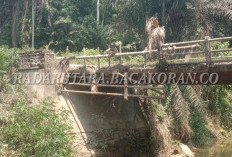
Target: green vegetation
{"x": 37, "y": 130}
{"x": 220, "y": 46}
{"x": 7, "y": 58}
{"x": 220, "y": 98}
{"x": 190, "y": 106}
{"x": 29, "y": 130}
{"x": 202, "y": 136}
{"x": 63, "y": 23}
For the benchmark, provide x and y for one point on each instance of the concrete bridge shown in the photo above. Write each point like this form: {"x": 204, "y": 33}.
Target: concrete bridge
{"x": 111, "y": 118}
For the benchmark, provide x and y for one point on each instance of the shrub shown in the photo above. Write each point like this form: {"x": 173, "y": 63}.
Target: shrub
{"x": 8, "y": 58}
{"x": 221, "y": 45}
{"x": 37, "y": 130}
{"x": 220, "y": 98}
{"x": 201, "y": 134}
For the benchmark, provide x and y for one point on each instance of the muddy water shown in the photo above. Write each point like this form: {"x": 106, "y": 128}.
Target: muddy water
{"x": 217, "y": 150}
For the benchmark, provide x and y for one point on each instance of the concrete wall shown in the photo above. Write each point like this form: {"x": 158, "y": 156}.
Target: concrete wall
{"x": 38, "y": 62}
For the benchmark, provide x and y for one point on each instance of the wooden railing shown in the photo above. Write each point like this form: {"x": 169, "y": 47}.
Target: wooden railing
{"x": 159, "y": 90}
{"x": 171, "y": 53}
{"x": 205, "y": 47}
{"x": 121, "y": 55}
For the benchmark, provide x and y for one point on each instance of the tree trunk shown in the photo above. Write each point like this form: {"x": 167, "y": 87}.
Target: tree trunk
{"x": 23, "y": 31}
{"x": 33, "y": 25}
{"x": 49, "y": 16}
{"x": 98, "y": 11}
{"x": 103, "y": 16}
{"x": 163, "y": 12}
{"x": 14, "y": 24}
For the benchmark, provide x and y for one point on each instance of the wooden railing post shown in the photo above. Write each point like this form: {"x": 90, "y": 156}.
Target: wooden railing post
{"x": 126, "y": 86}
{"x": 120, "y": 51}
{"x": 109, "y": 61}
{"x": 84, "y": 58}
{"x": 161, "y": 57}
{"x": 207, "y": 51}
{"x": 145, "y": 60}
{"x": 98, "y": 59}
{"x": 109, "y": 57}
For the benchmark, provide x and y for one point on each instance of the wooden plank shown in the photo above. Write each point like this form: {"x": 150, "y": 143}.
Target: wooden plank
{"x": 186, "y": 53}
{"x": 120, "y": 51}
{"x": 111, "y": 94}
{"x": 174, "y": 54}
{"x": 84, "y": 58}
{"x": 126, "y": 87}
{"x": 30, "y": 68}
{"x": 207, "y": 51}
{"x": 183, "y": 43}
{"x": 189, "y": 59}
{"x": 106, "y": 56}
{"x": 116, "y": 86}
{"x": 98, "y": 59}
{"x": 109, "y": 61}
{"x": 170, "y": 64}
{"x": 60, "y": 58}
{"x": 181, "y": 47}
{"x": 221, "y": 39}
{"x": 221, "y": 57}
{"x": 144, "y": 60}
{"x": 134, "y": 53}
{"x": 225, "y": 50}
{"x": 161, "y": 58}
{"x": 174, "y": 60}
{"x": 148, "y": 97}
{"x": 92, "y": 93}
{"x": 222, "y": 60}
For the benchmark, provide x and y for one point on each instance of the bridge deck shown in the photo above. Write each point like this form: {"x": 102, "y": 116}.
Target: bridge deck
{"x": 224, "y": 70}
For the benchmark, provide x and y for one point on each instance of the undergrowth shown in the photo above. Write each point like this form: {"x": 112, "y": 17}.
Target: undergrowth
{"x": 202, "y": 136}
{"x": 220, "y": 98}
{"x": 29, "y": 129}
{"x": 37, "y": 130}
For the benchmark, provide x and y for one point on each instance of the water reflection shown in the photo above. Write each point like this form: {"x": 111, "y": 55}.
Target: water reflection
{"x": 217, "y": 150}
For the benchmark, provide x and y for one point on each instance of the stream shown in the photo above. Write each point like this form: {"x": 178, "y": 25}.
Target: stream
{"x": 217, "y": 150}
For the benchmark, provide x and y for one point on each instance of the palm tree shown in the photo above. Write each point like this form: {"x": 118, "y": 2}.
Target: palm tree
{"x": 33, "y": 24}
{"x": 180, "y": 100}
